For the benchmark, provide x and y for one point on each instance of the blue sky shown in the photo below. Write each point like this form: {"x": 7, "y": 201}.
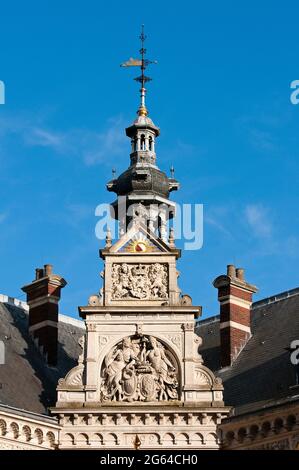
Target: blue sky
{"x": 221, "y": 96}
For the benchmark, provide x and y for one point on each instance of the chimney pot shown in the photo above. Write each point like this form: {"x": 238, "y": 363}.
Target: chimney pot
{"x": 48, "y": 269}
{"x": 39, "y": 273}
{"x": 231, "y": 270}
{"x": 240, "y": 273}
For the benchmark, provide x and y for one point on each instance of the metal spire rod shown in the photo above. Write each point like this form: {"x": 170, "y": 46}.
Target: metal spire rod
{"x": 142, "y": 79}
{"x": 142, "y": 63}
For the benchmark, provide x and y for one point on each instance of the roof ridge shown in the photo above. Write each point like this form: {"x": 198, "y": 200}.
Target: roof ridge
{"x": 6, "y": 299}
{"x": 27, "y": 413}
{"x": 208, "y": 320}
{"x": 71, "y": 321}
{"x": 275, "y": 298}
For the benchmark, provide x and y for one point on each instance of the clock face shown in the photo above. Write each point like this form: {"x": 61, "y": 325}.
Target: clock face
{"x": 140, "y": 244}
{"x": 140, "y": 247}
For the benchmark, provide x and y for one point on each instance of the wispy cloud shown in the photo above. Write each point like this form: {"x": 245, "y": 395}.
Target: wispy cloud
{"x": 44, "y": 138}
{"x": 107, "y": 144}
{"x": 217, "y": 217}
{"x": 93, "y": 146}
{"x": 262, "y": 140}
{"x": 257, "y": 221}
{"x": 261, "y": 131}
{"x": 218, "y": 225}
{"x": 257, "y": 217}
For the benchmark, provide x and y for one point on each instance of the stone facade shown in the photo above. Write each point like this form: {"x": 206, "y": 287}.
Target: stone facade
{"x": 140, "y": 373}
{"x": 159, "y": 427}
{"x": 27, "y": 431}
{"x": 140, "y": 377}
{"x": 274, "y": 429}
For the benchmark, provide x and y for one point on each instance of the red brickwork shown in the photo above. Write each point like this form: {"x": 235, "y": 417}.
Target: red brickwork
{"x": 232, "y": 338}
{"x": 236, "y": 291}
{"x": 43, "y": 295}
{"x": 233, "y": 312}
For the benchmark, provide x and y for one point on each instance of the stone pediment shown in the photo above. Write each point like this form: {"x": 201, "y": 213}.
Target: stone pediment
{"x": 139, "y": 240}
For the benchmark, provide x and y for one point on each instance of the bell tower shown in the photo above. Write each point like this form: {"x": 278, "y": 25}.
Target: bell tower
{"x": 140, "y": 376}
{"x": 143, "y": 189}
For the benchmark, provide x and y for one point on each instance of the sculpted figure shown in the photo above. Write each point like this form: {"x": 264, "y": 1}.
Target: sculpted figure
{"x": 138, "y": 369}
{"x": 162, "y": 366}
{"x": 158, "y": 280}
{"x": 122, "y": 280}
{"x": 116, "y": 362}
{"x": 117, "y": 288}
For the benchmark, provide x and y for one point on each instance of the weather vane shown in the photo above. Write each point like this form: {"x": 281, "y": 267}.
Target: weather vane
{"x": 142, "y": 63}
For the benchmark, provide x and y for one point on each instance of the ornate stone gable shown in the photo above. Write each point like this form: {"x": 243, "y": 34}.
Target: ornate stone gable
{"x": 140, "y": 242}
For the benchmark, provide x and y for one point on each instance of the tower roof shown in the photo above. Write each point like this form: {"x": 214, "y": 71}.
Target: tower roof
{"x": 142, "y": 122}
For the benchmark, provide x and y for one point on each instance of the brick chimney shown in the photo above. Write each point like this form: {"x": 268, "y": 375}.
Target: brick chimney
{"x": 235, "y": 297}
{"x": 43, "y": 295}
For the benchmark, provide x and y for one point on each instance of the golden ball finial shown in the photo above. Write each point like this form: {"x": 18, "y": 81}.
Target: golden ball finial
{"x": 142, "y": 111}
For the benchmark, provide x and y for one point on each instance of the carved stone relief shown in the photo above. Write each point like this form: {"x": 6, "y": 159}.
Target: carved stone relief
{"x": 176, "y": 340}
{"x": 139, "y": 281}
{"x": 103, "y": 340}
{"x": 139, "y": 368}
{"x": 201, "y": 377}
{"x": 74, "y": 378}
{"x": 188, "y": 326}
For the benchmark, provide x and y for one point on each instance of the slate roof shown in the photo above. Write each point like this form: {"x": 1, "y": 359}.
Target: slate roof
{"x": 25, "y": 381}
{"x": 262, "y": 375}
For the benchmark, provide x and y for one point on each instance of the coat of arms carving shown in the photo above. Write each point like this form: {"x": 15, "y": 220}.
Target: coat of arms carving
{"x": 139, "y": 368}
{"x": 139, "y": 281}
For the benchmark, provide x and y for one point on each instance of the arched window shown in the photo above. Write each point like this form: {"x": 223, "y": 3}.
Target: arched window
{"x": 142, "y": 142}
{"x": 150, "y": 143}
